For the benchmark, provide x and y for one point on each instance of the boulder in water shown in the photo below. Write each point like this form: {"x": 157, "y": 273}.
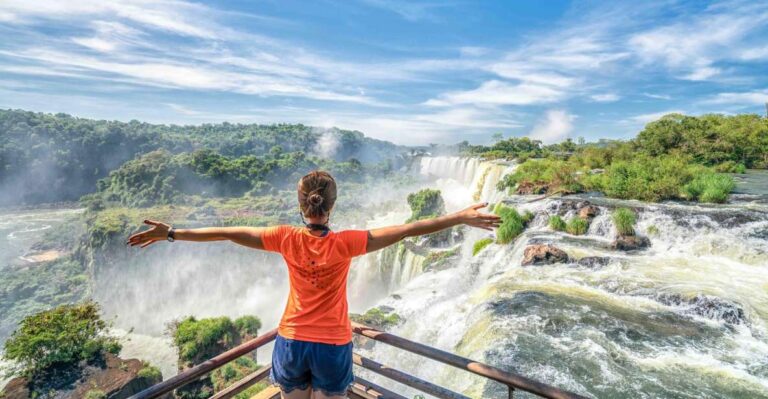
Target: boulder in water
{"x": 544, "y": 254}
{"x": 630, "y": 243}
{"x": 588, "y": 211}
{"x": 707, "y": 306}
{"x": 594, "y": 262}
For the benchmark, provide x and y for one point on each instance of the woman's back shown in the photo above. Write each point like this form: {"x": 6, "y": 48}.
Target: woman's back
{"x": 317, "y": 309}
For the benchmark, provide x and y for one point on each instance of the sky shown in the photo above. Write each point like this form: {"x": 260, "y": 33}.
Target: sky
{"x": 411, "y": 72}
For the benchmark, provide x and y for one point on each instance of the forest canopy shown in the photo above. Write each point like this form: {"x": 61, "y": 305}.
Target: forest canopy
{"x": 58, "y": 157}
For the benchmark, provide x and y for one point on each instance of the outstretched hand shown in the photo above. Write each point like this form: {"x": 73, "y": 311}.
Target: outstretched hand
{"x": 158, "y": 232}
{"x": 473, "y": 217}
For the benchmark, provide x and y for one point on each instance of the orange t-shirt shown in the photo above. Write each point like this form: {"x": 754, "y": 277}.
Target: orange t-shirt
{"x": 317, "y": 309}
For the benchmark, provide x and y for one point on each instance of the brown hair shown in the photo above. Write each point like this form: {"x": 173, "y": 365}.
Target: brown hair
{"x": 317, "y": 193}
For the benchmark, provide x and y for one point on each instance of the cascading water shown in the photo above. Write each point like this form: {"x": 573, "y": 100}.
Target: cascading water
{"x": 686, "y": 318}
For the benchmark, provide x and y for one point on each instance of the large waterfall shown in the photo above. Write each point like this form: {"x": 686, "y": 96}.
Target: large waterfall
{"x": 686, "y": 318}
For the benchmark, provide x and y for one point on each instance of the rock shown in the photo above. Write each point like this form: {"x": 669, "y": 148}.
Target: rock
{"x": 588, "y": 212}
{"x": 544, "y": 254}
{"x": 116, "y": 377}
{"x": 594, "y": 262}
{"x": 528, "y": 188}
{"x": 706, "y": 306}
{"x": 630, "y": 243}
{"x": 397, "y": 296}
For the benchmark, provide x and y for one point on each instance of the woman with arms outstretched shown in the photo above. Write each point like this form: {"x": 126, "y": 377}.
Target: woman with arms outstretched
{"x": 313, "y": 349}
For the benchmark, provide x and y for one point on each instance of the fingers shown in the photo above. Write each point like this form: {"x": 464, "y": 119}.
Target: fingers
{"x": 151, "y": 222}
{"x": 488, "y": 216}
{"x": 479, "y": 206}
{"x": 148, "y": 243}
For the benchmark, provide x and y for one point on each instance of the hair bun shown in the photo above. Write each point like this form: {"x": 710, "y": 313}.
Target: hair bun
{"x": 315, "y": 199}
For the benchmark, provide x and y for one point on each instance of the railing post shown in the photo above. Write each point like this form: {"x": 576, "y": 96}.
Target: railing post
{"x": 511, "y": 392}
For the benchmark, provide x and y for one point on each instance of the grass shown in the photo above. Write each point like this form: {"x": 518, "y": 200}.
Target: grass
{"x": 512, "y": 224}
{"x": 624, "y": 219}
{"x": 557, "y": 223}
{"x": 151, "y": 373}
{"x": 709, "y": 187}
{"x": 577, "y": 226}
{"x": 480, "y": 245}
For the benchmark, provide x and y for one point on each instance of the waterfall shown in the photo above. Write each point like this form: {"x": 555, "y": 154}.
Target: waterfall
{"x": 689, "y": 314}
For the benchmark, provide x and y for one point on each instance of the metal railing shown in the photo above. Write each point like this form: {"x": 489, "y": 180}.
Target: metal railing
{"x": 363, "y": 388}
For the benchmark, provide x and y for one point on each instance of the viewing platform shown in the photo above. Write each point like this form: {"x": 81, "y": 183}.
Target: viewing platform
{"x": 362, "y": 388}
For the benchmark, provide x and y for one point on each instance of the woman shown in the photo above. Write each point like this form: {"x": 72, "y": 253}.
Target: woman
{"x": 313, "y": 349}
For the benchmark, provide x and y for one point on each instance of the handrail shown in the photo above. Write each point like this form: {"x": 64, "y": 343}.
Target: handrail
{"x": 511, "y": 380}
{"x": 405, "y": 378}
{"x": 243, "y": 384}
{"x": 205, "y": 367}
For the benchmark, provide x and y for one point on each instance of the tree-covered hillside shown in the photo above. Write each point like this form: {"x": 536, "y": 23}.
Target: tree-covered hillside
{"x": 48, "y": 158}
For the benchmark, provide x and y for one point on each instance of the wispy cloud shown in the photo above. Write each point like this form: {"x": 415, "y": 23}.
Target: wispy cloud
{"x": 500, "y": 93}
{"x": 605, "y": 98}
{"x": 409, "y": 9}
{"x": 757, "y": 97}
{"x": 693, "y": 46}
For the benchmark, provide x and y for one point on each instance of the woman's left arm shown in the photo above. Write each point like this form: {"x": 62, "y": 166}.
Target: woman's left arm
{"x": 386, "y": 236}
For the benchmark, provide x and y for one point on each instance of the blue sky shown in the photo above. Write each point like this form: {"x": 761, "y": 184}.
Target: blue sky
{"x": 406, "y": 71}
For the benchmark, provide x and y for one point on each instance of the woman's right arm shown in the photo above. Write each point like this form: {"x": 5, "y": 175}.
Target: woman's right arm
{"x": 246, "y": 236}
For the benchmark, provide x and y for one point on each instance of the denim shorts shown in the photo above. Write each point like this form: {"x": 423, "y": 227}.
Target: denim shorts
{"x": 300, "y": 364}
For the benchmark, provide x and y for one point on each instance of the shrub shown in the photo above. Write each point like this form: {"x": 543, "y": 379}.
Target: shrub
{"x": 95, "y": 394}
{"x": 624, "y": 219}
{"x": 376, "y": 317}
{"x": 426, "y": 204}
{"x": 248, "y": 325}
{"x": 559, "y": 175}
{"x": 528, "y": 217}
{"x": 480, "y": 245}
{"x": 556, "y": 223}
{"x": 151, "y": 373}
{"x": 709, "y": 187}
{"x": 730, "y": 167}
{"x": 64, "y": 335}
{"x": 198, "y": 340}
{"x": 646, "y": 178}
{"x": 576, "y": 226}
{"x": 512, "y": 224}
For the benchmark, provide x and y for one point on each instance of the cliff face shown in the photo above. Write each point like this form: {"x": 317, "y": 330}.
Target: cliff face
{"x": 115, "y": 378}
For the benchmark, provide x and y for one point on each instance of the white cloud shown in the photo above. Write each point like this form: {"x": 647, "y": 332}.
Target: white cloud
{"x": 501, "y": 93}
{"x": 645, "y": 118}
{"x": 758, "y": 97}
{"x": 658, "y": 96}
{"x": 605, "y": 98}
{"x": 555, "y": 126}
{"x": 179, "y": 17}
{"x": 703, "y": 73}
{"x": 694, "y": 45}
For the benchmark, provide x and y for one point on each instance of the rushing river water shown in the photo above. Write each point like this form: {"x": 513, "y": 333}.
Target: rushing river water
{"x": 686, "y": 318}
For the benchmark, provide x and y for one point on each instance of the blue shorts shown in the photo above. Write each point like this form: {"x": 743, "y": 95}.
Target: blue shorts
{"x": 300, "y": 364}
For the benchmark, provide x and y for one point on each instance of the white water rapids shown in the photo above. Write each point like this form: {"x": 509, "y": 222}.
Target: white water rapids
{"x": 633, "y": 328}
{"x": 686, "y": 318}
